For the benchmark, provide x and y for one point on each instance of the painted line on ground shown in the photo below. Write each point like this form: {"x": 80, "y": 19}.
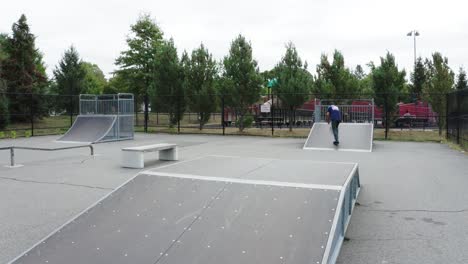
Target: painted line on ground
{"x": 338, "y": 149}
{"x": 277, "y": 159}
{"x": 244, "y": 181}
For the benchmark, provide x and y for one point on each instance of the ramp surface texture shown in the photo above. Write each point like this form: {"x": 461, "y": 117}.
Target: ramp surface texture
{"x": 169, "y": 216}
{"x": 352, "y": 137}
{"x": 89, "y": 129}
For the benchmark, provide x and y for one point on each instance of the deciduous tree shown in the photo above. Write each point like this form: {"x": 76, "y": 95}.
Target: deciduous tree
{"x": 387, "y": 83}
{"x": 440, "y": 82}
{"x": 138, "y": 63}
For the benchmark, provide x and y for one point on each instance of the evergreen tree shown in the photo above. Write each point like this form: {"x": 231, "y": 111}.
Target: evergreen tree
{"x": 200, "y": 72}
{"x": 461, "y": 80}
{"x": 69, "y": 77}
{"x": 3, "y": 51}
{"x": 294, "y": 81}
{"x": 4, "y": 113}
{"x": 168, "y": 94}
{"x": 418, "y": 78}
{"x": 241, "y": 80}
{"x": 359, "y": 72}
{"x": 24, "y": 73}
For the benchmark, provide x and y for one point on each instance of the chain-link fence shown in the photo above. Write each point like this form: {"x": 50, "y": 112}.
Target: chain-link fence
{"x": 457, "y": 117}
{"x": 36, "y": 114}
{"x": 395, "y": 116}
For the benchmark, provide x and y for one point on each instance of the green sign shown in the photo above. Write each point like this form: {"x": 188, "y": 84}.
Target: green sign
{"x": 272, "y": 82}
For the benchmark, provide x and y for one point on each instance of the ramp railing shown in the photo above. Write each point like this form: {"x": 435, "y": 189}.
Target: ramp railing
{"x": 12, "y": 150}
{"x": 357, "y": 111}
{"x": 120, "y": 105}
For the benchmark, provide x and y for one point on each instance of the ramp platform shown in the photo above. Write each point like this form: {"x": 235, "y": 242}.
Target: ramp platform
{"x": 90, "y": 129}
{"x": 212, "y": 210}
{"x": 352, "y": 136}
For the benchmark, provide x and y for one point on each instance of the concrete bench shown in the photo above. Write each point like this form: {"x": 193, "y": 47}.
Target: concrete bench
{"x": 133, "y": 157}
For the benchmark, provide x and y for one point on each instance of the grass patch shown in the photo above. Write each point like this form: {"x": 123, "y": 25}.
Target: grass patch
{"x": 456, "y": 147}
{"x": 410, "y": 135}
{"x": 379, "y": 134}
{"x": 55, "y": 125}
{"x": 161, "y": 119}
{"x": 28, "y": 133}
{"x": 266, "y": 132}
{"x": 44, "y": 123}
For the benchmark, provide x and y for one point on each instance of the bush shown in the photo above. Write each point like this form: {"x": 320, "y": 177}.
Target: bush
{"x": 27, "y": 133}
{"x": 2, "y": 134}
{"x": 248, "y": 121}
{"x": 13, "y": 134}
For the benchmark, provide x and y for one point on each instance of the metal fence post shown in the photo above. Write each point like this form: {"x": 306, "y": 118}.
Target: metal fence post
{"x": 272, "y": 116}
{"x": 31, "y": 109}
{"x": 222, "y": 115}
{"x": 146, "y": 113}
{"x": 71, "y": 110}
{"x": 447, "y": 117}
{"x": 178, "y": 114}
{"x": 386, "y": 115}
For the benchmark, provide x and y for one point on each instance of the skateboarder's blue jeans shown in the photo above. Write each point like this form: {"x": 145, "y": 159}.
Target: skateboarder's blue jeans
{"x": 335, "y": 125}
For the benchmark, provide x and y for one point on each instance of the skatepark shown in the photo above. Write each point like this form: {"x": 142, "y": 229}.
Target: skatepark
{"x": 400, "y": 215}
{"x": 103, "y": 195}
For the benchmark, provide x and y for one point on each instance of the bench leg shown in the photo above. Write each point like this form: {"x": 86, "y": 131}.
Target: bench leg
{"x": 132, "y": 159}
{"x": 169, "y": 154}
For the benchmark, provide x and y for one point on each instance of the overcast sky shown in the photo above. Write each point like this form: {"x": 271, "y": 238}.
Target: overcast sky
{"x": 362, "y": 29}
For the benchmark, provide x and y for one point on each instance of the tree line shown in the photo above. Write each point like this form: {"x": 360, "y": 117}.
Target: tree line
{"x": 151, "y": 68}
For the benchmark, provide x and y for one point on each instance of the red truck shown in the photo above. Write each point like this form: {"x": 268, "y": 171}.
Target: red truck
{"x": 419, "y": 114}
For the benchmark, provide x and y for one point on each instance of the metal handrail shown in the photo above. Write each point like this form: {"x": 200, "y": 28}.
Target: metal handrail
{"x": 12, "y": 150}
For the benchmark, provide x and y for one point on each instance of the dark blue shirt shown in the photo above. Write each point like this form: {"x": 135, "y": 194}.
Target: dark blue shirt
{"x": 334, "y": 111}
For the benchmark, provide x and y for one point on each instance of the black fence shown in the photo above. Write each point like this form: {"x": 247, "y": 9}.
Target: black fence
{"x": 457, "y": 117}
{"x": 33, "y": 114}
{"x": 36, "y": 114}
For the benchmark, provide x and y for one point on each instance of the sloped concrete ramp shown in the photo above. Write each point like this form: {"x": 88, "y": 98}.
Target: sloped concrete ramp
{"x": 90, "y": 129}
{"x": 352, "y": 136}
{"x": 192, "y": 212}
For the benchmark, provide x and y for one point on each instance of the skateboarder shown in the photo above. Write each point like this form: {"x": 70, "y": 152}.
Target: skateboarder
{"x": 334, "y": 114}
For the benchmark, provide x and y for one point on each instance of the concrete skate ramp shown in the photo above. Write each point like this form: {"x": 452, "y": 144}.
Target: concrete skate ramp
{"x": 171, "y": 216}
{"x": 89, "y": 129}
{"x": 352, "y": 136}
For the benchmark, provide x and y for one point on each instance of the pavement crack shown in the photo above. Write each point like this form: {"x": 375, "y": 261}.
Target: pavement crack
{"x": 83, "y": 161}
{"x": 393, "y": 239}
{"x": 255, "y": 169}
{"x": 417, "y": 210}
{"x": 57, "y": 183}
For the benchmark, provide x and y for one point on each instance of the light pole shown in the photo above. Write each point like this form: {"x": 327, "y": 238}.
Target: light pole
{"x": 414, "y": 33}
